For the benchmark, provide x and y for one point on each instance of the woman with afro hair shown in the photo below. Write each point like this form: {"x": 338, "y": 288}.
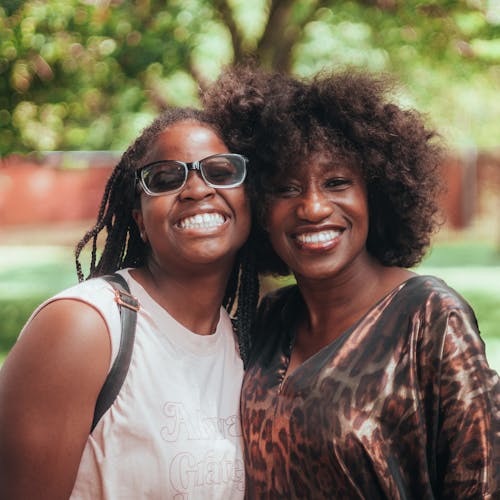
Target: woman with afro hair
{"x": 365, "y": 380}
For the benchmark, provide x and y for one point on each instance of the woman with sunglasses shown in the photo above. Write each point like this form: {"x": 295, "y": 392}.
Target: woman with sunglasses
{"x": 365, "y": 380}
{"x": 177, "y": 218}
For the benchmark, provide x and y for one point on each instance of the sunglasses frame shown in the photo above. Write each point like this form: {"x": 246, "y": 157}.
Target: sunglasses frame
{"x": 188, "y": 166}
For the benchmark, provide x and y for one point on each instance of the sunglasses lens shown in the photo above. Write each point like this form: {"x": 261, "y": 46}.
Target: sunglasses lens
{"x": 224, "y": 170}
{"x": 163, "y": 177}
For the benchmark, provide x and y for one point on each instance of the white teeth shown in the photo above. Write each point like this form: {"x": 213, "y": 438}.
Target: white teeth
{"x": 318, "y": 237}
{"x": 206, "y": 220}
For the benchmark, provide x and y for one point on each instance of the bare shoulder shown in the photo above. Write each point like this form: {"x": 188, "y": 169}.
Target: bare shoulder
{"x": 49, "y": 384}
{"x": 65, "y": 337}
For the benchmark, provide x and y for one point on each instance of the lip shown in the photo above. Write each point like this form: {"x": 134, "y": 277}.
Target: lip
{"x": 317, "y": 238}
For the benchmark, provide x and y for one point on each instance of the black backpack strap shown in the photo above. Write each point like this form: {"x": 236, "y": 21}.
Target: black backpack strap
{"x": 128, "y": 306}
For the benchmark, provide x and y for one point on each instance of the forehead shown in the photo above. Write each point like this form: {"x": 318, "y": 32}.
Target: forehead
{"x": 185, "y": 141}
{"x": 320, "y": 163}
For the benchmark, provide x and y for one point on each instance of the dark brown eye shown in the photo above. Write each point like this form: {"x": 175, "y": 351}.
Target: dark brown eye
{"x": 220, "y": 171}
{"x": 285, "y": 190}
{"x": 338, "y": 183}
{"x": 164, "y": 177}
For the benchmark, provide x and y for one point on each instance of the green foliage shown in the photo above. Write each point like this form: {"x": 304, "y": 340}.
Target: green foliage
{"x": 74, "y": 74}
{"x": 90, "y": 74}
{"x": 14, "y": 313}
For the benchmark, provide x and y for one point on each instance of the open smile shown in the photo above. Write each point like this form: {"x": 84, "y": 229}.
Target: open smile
{"x": 206, "y": 220}
{"x": 317, "y": 240}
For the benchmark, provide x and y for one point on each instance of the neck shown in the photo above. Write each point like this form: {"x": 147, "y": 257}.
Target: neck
{"x": 336, "y": 304}
{"x": 193, "y": 299}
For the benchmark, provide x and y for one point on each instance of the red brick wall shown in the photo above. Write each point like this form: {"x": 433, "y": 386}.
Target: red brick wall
{"x": 459, "y": 175}
{"x": 53, "y": 190}
{"x": 48, "y": 191}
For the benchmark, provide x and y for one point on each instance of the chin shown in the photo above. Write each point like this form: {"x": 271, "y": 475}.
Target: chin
{"x": 316, "y": 272}
{"x": 212, "y": 257}
{"x": 314, "y": 277}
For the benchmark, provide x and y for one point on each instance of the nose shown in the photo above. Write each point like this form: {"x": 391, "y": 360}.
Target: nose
{"x": 314, "y": 206}
{"x": 195, "y": 188}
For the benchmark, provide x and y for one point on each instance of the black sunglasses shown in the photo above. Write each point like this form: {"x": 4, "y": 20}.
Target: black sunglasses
{"x": 221, "y": 171}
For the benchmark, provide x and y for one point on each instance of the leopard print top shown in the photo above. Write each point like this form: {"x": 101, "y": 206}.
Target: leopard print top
{"x": 402, "y": 406}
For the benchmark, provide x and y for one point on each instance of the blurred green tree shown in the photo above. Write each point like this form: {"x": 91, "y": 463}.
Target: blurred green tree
{"x": 89, "y": 74}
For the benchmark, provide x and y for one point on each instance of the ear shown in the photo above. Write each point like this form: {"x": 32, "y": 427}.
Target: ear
{"x": 139, "y": 220}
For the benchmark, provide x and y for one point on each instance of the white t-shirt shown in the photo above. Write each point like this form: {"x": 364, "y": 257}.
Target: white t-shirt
{"x": 174, "y": 430}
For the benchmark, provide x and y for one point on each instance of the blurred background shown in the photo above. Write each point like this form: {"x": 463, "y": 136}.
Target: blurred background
{"x": 79, "y": 79}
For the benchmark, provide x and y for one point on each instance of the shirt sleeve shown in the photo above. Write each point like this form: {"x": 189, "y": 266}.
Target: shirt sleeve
{"x": 468, "y": 441}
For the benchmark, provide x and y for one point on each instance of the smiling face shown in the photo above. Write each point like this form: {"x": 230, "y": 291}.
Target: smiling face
{"x": 317, "y": 218}
{"x": 199, "y": 224}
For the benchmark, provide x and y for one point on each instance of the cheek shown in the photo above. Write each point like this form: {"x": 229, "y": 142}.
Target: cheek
{"x": 361, "y": 207}
{"x": 274, "y": 215}
{"x": 274, "y": 222}
{"x": 153, "y": 212}
{"x": 355, "y": 204}
{"x": 146, "y": 214}
{"x": 241, "y": 206}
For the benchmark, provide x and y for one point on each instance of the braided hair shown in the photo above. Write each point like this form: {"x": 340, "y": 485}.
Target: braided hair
{"x": 124, "y": 247}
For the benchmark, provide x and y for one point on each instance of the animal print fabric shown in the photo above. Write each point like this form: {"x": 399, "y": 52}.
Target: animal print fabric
{"x": 402, "y": 406}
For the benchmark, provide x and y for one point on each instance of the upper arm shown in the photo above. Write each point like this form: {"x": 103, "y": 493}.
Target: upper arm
{"x": 48, "y": 389}
{"x": 469, "y": 447}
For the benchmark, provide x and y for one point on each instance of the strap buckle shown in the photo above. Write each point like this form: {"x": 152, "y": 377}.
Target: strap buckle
{"x": 127, "y": 300}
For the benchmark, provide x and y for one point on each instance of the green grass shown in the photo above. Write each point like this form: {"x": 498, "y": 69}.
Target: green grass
{"x": 29, "y": 275}
{"x": 35, "y": 271}
{"x": 473, "y": 269}
{"x": 463, "y": 254}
